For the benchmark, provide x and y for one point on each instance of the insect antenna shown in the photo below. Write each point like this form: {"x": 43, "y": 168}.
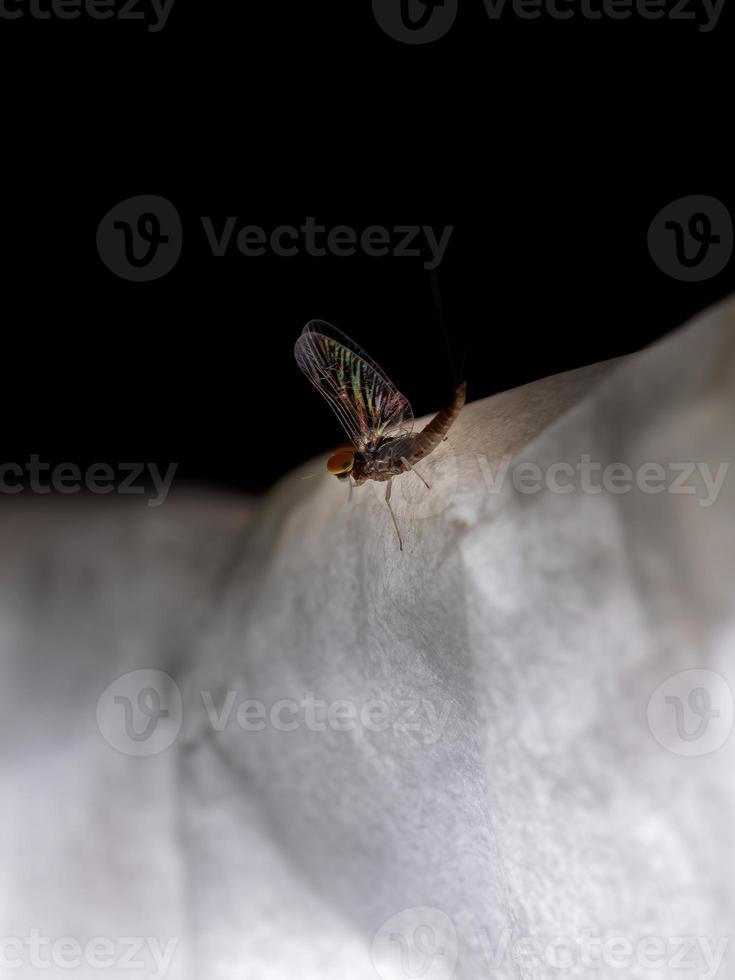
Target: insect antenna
{"x": 457, "y": 370}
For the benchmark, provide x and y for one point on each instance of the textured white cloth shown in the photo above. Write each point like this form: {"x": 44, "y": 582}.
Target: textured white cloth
{"x": 510, "y": 773}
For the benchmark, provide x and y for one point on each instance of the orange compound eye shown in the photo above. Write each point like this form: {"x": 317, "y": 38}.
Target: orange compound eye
{"x": 341, "y": 461}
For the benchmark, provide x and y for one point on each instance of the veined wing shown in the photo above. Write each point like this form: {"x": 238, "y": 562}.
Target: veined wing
{"x": 367, "y": 404}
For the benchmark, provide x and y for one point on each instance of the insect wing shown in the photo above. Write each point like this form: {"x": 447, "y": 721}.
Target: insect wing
{"x": 367, "y": 404}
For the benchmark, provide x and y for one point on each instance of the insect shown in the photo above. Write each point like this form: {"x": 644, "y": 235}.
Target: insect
{"x": 375, "y": 415}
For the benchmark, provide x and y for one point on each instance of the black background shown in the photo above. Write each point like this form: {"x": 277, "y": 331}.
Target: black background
{"x": 548, "y": 145}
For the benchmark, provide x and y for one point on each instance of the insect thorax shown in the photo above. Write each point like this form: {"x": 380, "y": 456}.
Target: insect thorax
{"x": 383, "y": 461}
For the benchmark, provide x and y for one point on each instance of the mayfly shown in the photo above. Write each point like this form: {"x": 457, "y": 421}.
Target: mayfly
{"x": 375, "y": 415}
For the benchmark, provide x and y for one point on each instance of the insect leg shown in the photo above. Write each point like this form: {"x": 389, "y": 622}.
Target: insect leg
{"x": 351, "y": 483}
{"x": 395, "y": 522}
{"x": 404, "y": 460}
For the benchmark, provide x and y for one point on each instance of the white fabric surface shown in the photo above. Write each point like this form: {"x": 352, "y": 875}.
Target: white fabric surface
{"x": 531, "y": 799}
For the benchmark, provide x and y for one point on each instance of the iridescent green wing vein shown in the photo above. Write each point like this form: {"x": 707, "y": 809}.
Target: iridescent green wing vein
{"x": 367, "y": 404}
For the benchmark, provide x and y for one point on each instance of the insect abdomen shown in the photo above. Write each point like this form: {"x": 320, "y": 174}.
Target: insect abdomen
{"x": 433, "y": 433}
